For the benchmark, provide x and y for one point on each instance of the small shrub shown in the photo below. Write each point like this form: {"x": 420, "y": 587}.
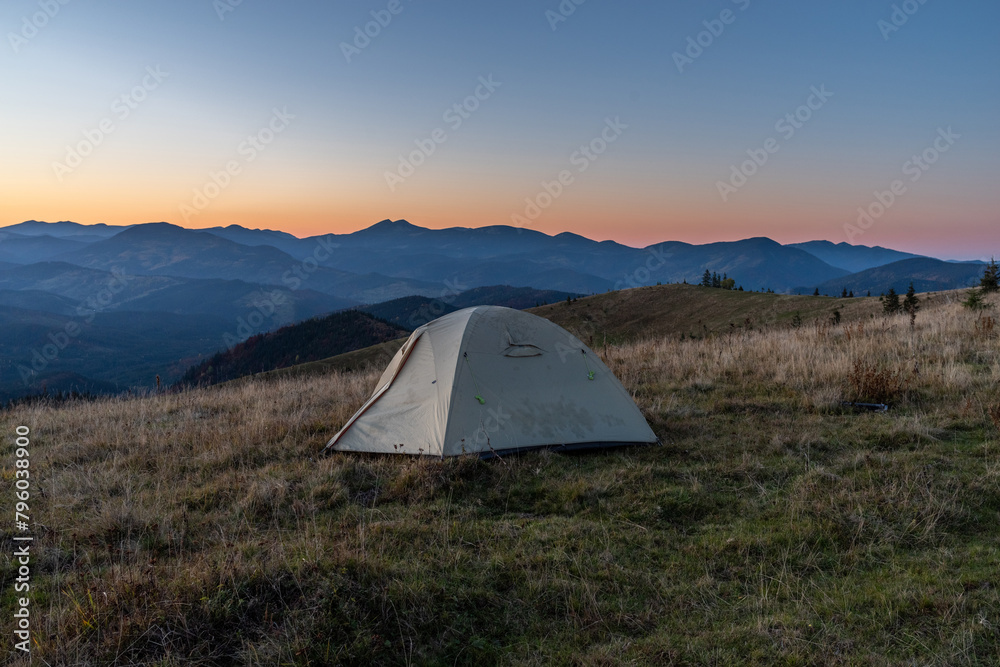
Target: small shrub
{"x": 995, "y": 415}
{"x": 974, "y": 301}
{"x": 985, "y": 326}
{"x": 872, "y": 382}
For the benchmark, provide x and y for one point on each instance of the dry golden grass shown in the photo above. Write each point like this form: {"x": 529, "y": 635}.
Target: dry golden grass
{"x": 690, "y": 311}
{"x": 943, "y": 359}
{"x": 773, "y": 525}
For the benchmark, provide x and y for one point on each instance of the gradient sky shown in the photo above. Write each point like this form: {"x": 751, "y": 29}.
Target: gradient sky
{"x": 62, "y": 77}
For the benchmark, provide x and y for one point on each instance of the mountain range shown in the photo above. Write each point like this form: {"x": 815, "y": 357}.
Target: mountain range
{"x": 103, "y": 306}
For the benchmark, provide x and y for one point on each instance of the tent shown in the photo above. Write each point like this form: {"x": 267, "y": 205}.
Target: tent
{"x": 489, "y": 380}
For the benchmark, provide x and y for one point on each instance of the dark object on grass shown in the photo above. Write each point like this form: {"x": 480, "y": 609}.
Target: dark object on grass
{"x": 872, "y": 407}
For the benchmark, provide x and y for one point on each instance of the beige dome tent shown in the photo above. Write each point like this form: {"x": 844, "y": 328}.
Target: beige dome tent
{"x": 490, "y": 380}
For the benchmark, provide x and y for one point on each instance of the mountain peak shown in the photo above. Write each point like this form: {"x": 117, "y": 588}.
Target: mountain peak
{"x": 392, "y": 226}
{"x": 63, "y": 229}
{"x": 151, "y": 229}
{"x": 757, "y": 242}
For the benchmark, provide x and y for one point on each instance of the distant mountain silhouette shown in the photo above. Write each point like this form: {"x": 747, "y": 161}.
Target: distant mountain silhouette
{"x": 29, "y": 249}
{"x": 394, "y": 258}
{"x": 65, "y": 229}
{"x": 852, "y": 258}
{"x": 568, "y": 262}
{"x": 45, "y": 302}
{"x": 283, "y": 241}
{"x": 79, "y": 283}
{"x": 927, "y": 275}
{"x": 168, "y": 250}
{"x": 88, "y": 290}
{"x": 755, "y": 264}
{"x": 413, "y": 311}
{"x": 164, "y": 249}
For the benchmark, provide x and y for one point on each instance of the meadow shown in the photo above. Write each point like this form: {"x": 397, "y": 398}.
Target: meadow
{"x": 774, "y": 525}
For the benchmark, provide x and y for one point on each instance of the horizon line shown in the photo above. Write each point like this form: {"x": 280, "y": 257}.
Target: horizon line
{"x": 515, "y": 227}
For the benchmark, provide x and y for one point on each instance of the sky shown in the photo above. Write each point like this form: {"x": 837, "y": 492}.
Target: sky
{"x": 864, "y": 121}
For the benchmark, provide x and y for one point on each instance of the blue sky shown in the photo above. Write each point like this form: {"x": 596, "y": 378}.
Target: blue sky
{"x": 559, "y": 83}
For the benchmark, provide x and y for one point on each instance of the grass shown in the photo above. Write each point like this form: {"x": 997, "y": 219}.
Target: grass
{"x": 773, "y": 526}
{"x": 691, "y": 311}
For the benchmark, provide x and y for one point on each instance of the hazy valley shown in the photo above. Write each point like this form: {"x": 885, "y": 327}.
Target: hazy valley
{"x": 97, "y": 308}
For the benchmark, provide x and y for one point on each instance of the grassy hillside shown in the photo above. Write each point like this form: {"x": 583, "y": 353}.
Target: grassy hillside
{"x": 772, "y": 526}
{"x": 692, "y": 311}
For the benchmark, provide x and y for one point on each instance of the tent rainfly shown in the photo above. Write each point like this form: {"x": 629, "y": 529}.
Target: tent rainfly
{"x": 489, "y": 380}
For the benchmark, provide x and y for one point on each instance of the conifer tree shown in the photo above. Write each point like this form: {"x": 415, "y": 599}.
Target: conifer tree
{"x": 891, "y": 304}
{"x": 706, "y": 280}
{"x": 911, "y": 304}
{"x": 974, "y": 300}
{"x": 990, "y": 282}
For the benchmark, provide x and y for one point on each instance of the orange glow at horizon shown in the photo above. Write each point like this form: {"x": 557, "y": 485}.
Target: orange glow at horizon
{"x": 912, "y": 226}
